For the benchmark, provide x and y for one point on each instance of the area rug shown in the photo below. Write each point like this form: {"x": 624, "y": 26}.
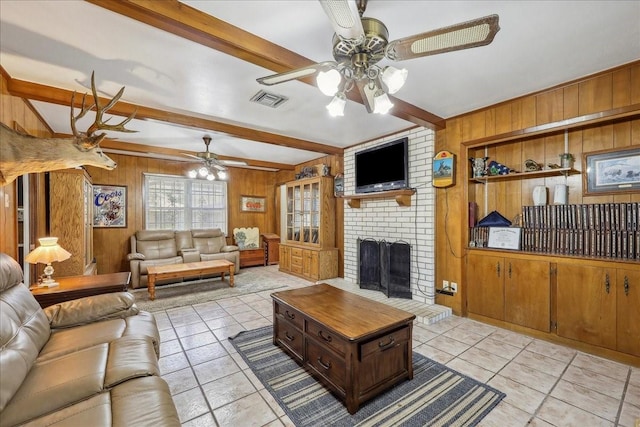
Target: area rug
{"x": 199, "y": 291}
{"x": 436, "y": 396}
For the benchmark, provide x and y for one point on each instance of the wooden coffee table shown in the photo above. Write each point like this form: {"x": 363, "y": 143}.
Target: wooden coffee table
{"x": 171, "y": 271}
{"x": 355, "y": 346}
{"x": 74, "y": 287}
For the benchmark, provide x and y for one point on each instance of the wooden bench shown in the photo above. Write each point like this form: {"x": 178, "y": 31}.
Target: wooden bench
{"x": 172, "y": 271}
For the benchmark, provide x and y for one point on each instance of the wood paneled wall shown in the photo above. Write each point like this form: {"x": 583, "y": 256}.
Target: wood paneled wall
{"x": 111, "y": 245}
{"x": 617, "y": 88}
{"x": 14, "y": 110}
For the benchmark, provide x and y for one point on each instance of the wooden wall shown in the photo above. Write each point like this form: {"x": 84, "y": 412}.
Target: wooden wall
{"x": 615, "y": 89}
{"x": 111, "y": 245}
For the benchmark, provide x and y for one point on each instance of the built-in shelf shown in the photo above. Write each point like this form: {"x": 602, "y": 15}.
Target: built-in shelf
{"x": 525, "y": 175}
{"x": 403, "y": 197}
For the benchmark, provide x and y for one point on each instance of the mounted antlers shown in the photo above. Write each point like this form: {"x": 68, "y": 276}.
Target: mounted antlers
{"x": 22, "y": 154}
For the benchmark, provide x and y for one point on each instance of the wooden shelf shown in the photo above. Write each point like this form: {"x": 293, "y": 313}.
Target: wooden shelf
{"x": 403, "y": 197}
{"x": 526, "y": 175}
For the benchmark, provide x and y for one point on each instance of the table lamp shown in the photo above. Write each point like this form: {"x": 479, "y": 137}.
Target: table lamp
{"x": 48, "y": 252}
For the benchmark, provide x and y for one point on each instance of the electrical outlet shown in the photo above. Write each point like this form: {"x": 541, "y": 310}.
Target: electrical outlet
{"x": 445, "y": 285}
{"x": 454, "y": 287}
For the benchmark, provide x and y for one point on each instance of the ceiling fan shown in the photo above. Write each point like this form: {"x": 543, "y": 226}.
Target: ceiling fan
{"x": 212, "y": 167}
{"x": 359, "y": 43}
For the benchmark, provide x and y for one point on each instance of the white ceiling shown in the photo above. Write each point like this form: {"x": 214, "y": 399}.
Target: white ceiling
{"x": 540, "y": 44}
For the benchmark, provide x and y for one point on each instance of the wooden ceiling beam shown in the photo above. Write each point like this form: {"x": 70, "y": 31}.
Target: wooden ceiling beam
{"x": 39, "y": 92}
{"x": 187, "y": 22}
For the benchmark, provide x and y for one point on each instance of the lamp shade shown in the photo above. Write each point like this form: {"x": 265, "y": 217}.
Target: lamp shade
{"x": 337, "y": 104}
{"x": 394, "y": 78}
{"x": 381, "y": 103}
{"x": 48, "y": 252}
{"x": 329, "y": 81}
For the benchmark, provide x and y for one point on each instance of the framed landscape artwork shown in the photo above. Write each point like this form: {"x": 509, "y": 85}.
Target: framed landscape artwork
{"x": 109, "y": 206}
{"x": 611, "y": 171}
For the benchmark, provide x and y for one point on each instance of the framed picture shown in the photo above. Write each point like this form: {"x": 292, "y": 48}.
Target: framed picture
{"x": 504, "y": 238}
{"x": 444, "y": 173}
{"x": 109, "y": 206}
{"x": 611, "y": 171}
{"x": 252, "y": 204}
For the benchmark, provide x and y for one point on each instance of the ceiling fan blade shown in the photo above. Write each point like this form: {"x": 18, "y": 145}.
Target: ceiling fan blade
{"x": 233, "y": 162}
{"x": 345, "y": 19}
{"x": 366, "y": 93}
{"x": 192, "y": 155}
{"x": 298, "y": 73}
{"x": 478, "y": 32}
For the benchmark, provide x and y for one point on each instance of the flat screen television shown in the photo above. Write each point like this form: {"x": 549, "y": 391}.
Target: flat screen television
{"x": 383, "y": 167}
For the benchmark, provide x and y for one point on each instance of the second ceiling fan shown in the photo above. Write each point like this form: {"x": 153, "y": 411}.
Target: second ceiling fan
{"x": 212, "y": 167}
{"x": 359, "y": 43}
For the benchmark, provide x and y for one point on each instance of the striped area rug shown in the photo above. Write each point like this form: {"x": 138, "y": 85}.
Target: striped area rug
{"x": 436, "y": 396}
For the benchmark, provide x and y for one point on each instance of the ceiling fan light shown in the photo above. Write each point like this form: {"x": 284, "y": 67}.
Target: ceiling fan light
{"x": 203, "y": 171}
{"x": 222, "y": 175}
{"x": 192, "y": 173}
{"x": 337, "y": 104}
{"x": 394, "y": 79}
{"x": 381, "y": 103}
{"x": 211, "y": 177}
{"x": 329, "y": 81}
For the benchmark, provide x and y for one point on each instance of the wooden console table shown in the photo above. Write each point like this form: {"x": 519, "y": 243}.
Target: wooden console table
{"x": 172, "y": 271}
{"x": 74, "y": 287}
{"x": 355, "y": 346}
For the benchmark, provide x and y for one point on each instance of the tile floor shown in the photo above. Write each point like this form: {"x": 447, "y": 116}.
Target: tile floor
{"x": 546, "y": 384}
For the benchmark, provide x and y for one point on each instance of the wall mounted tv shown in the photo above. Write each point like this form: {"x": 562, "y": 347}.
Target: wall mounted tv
{"x": 383, "y": 167}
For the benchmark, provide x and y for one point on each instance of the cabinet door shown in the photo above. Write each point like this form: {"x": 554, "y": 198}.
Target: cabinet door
{"x": 310, "y": 264}
{"x": 285, "y": 258}
{"x": 587, "y": 304}
{"x": 628, "y": 306}
{"x": 485, "y": 285}
{"x": 527, "y": 293}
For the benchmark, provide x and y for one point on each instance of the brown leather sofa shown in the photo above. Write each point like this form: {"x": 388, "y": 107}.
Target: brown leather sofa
{"x": 86, "y": 362}
{"x": 164, "y": 247}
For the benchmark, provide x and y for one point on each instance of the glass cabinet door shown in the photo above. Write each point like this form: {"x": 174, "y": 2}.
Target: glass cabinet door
{"x": 303, "y": 212}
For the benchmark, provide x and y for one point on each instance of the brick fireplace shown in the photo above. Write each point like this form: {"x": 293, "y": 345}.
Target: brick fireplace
{"x": 384, "y": 219}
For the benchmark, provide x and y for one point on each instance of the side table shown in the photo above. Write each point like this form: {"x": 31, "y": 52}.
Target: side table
{"x": 74, "y": 287}
{"x": 271, "y": 243}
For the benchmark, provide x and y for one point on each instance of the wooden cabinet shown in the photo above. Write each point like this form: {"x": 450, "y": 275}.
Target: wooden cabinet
{"x": 70, "y": 220}
{"x": 309, "y": 249}
{"x": 270, "y": 243}
{"x": 510, "y": 289}
{"x": 599, "y": 306}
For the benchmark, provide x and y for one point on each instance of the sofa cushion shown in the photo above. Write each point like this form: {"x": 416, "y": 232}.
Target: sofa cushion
{"x": 208, "y": 241}
{"x": 91, "y": 309}
{"x": 155, "y": 244}
{"x": 24, "y": 329}
{"x": 183, "y": 240}
{"x": 144, "y": 265}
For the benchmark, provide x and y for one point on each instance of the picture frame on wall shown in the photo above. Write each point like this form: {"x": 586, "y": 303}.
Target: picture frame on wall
{"x": 252, "y": 204}
{"x": 611, "y": 171}
{"x": 109, "y": 206}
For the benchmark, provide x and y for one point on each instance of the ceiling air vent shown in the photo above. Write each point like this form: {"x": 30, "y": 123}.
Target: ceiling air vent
{"x": 269, "y": 99}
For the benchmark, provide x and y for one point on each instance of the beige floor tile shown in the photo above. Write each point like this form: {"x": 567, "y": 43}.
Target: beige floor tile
{"x": 229, "y": 302}
{"x": 499, "y": 348}
{"x": 247, "y": 315}
{"x": 562, "y": 414}
{"x": 541, "y": 362}
{"x": 228, "y": 331}
{"x": 433, "y": 353}
{"x": 227, "y": 389}
{"x": 198, "y": 340}
{"x": 606, "y": 367}
{"x": 537, "y": 422}
{"x": 484, "y": 359}
{"x": 249, "y": 411}
{"x": 479, "y": 328}
{"x": 463, "y": 335}
{"x": 511, "y": 338}
{"x": 170, "y": 347}
{"x": 191, "y": 329}
{"x": 586, "y": 399}
{"x": 190, "y": 404}
{"x": 632, "y": 395}
{"x": 505, "y": 415}
{"x": 205, "y": 353}
{"x": 421, "y": 335}
{"x": 213, "y": 313}
{"x": 237, "y": 309}
{"x": 595, "y": 381}
{"x": 215, "y": 369}
{"x": 518, "y": 395}
{"x": 257, "y": 323}
{"x": 529, "y": 377}
{"x": 448, "y": 345}
{"x": 558, "y": 352}
{"x": 271, "y": 401}
{"x": 205, "y": 420}
{"x": 181, "y": 381}
{"x": 630, "y": 415}
{"x": 172, "y": 363}
{"x": 470, "y": 370}
{"x": 168, "y": 335}
{"x": 221, "y": 322}
{"x": 634, "y": 378}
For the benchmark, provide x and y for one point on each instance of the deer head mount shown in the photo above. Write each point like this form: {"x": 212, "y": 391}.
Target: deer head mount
{"x": 21, "y": 154}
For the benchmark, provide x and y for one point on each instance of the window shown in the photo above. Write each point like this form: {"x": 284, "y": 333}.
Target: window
{"x": 178, "y": 203}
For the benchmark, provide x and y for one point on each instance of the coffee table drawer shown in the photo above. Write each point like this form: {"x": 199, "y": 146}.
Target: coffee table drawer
{"x": 328, "y": 364}
{"x": 290, "y": 337}
{"x": 385, "y": 342}
{"x": 289, "y": 314}
{"x": 324, "y": 336}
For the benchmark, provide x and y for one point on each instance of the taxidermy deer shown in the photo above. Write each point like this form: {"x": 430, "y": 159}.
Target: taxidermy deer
{"x": 21, "y": 154}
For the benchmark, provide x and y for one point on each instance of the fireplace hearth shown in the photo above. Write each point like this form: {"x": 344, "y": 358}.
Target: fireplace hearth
{"x": 385, "y": 267}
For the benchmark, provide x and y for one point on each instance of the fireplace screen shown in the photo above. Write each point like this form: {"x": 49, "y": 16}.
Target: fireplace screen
{"x": 385, "y": 267}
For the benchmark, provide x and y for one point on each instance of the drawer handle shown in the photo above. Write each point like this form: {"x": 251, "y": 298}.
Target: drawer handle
{"x": 289, "y": 337}
{"x": 325, "y": 366}
{"x": 289, "y": 315}
{"x": 388, "y": 345}
{"x": 327, "y": 338}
